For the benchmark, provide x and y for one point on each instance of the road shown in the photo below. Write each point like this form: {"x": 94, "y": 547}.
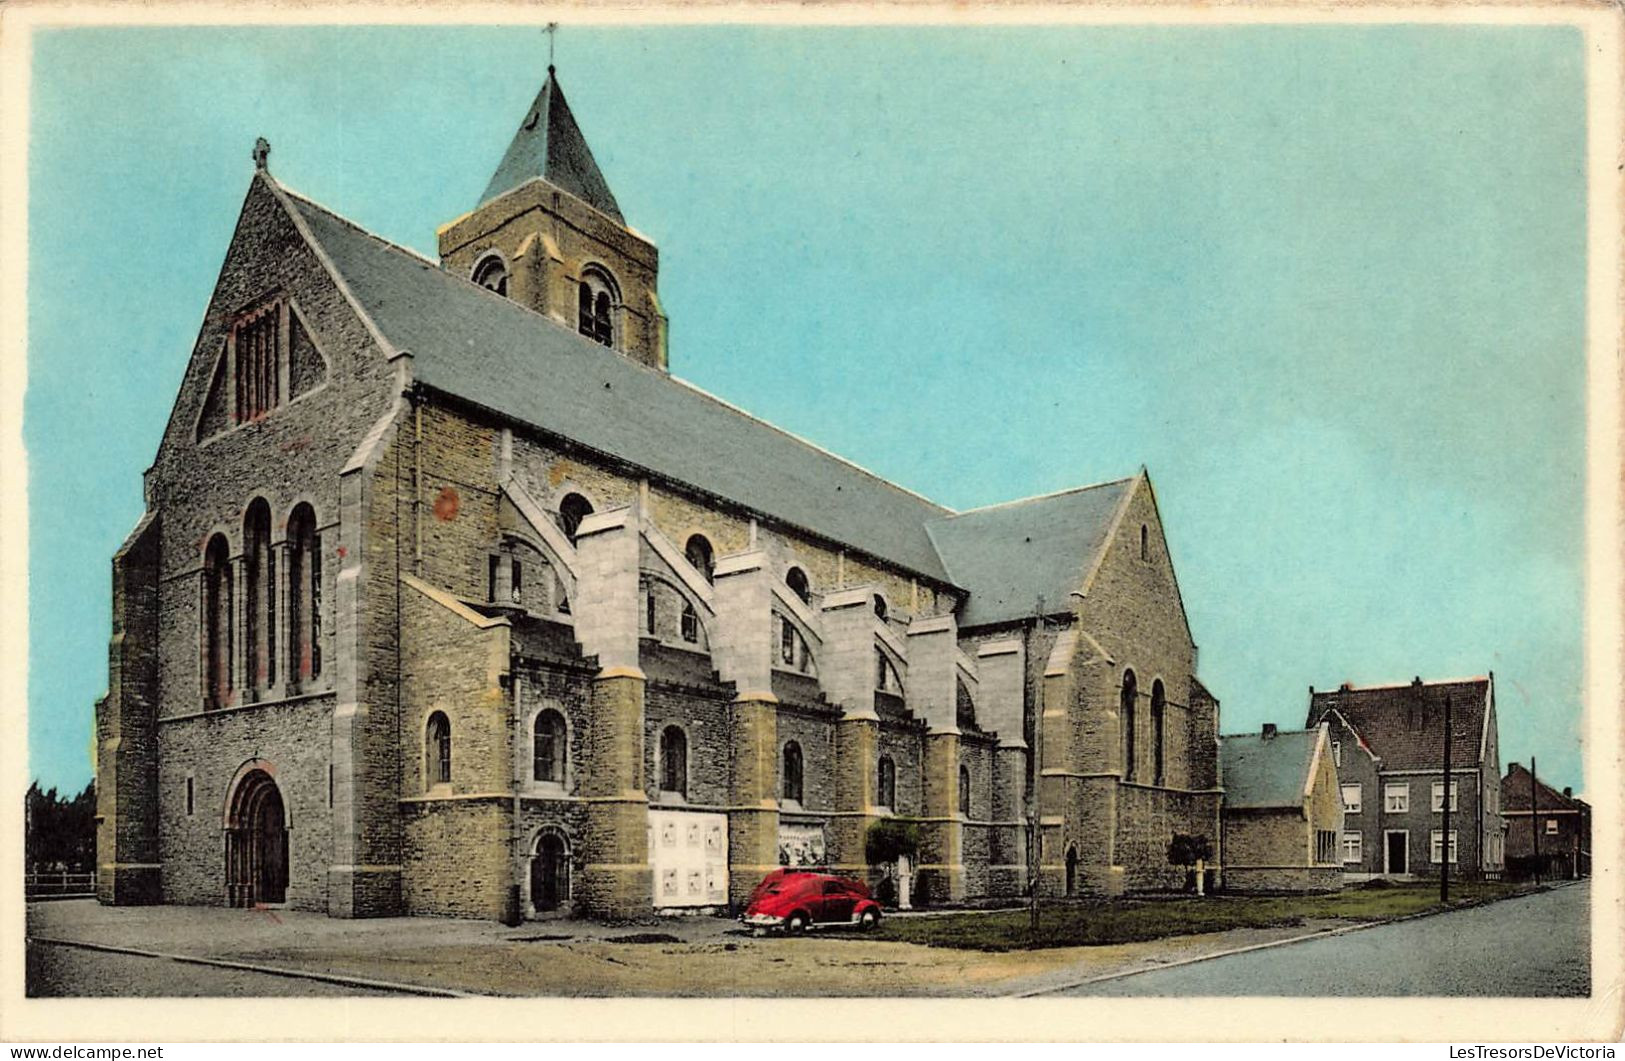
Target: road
{"x": 1534, "y": 946}
{"x": 55, "y": 971}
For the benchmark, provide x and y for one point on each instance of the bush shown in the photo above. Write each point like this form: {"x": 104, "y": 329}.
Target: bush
{"x": 890, "y": 839}
{"x": 1376, "y": 884}
{"x": 1187, "y": 850}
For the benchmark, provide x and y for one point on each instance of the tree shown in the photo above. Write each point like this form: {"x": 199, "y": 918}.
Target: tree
{"x": 1187, "y": 850}
{"x": 60, "y": 832}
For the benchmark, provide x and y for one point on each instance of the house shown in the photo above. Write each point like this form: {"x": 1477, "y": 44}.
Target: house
{"x": 451, "y": 598}
{"x": 1388, "y": 744}
{"x": 1561, "y": 833}
{"x": 1283, "y": 815}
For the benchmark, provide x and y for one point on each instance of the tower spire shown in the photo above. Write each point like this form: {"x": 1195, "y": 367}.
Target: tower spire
{"x": 549, "y": 144}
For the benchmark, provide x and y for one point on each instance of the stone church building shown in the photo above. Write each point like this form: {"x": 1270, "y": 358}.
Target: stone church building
{"x": 449, "y": 598}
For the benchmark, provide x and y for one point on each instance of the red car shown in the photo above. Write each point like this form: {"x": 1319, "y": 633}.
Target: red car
{"x": 796, "y": 900}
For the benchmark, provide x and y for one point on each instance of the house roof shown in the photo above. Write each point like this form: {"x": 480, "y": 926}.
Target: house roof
{"x": 1515, "y": 793}
{"x": 475, "y": 345}
{"x": 1261, "y": 772}
{"x": 1404, "y": 724}
{"x": 549, "y": 144}
{"x": 1009, "y": 556}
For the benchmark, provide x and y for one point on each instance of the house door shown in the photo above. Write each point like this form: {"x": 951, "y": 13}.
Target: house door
{"x": 1398, "y": 850}
{"x": 257, "y": 843}
{"x": 549, "y": 873}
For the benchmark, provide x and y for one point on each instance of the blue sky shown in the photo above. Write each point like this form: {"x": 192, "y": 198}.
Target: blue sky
{"x": 1324, "y": 282}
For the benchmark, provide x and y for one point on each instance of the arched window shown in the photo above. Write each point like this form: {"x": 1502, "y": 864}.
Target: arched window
{"x": 791, "y": 787}
{"x": 964, "y": 708}
{"x": 259, "y": 604}
{"x": 1145, "y": 542}
{"x": 1159, "y": 706}
{"x": 437, "y": 750}
{"x": 964, "y": 789}
{"x": 690, "y": 623}
{"x": 886, "y": 783}
{"x": 796, "y": 579}
{"x": 572, "y": 510}
{"x": 701, "y": 556}
{"x": 1130, "y": 696}
{"x": 595, "y": 307}
{"x": 491, "y": 274}
{"x": 674, "y": 760}
{"x": 304, "y": 595}
{"x": 217, "y": 622}
{"x": 880, "y": 607}
{"x": 548, "y": 747}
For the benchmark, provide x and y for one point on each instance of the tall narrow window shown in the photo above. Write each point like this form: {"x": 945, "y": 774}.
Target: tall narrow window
{"x": 548, "y": 747}
{"x": 304, "y": 595}
{"x": 674, "y": 760}
{"x": 191, "y": 802}
{"x": 595, "y": 307}
{"x": 257, "y": 614}
{"x": 572, "y": 510}
{"x": 1126, "y": 710}
{"x": 1145, "y": 542}
{"x": 256, "y": 337}
{"x": 493, "y": 574}
{"x": 437, "y": 750}
{"x": 796, "y": 579}
{"x": 517, "y": 581}
{"x": 880, "y": 607}
{"x": 649, "y": 613}
{"x": 787, "y": 642}
{"x": 886, "y": 783}
{"x": 1159, "y": 708}
{"x": 964, "y": 790}
{"x": 792, "y": 789}
{"x": 690, "y": 624}
{"x": 217, "y": 622}
{"x": 701, "y": 556}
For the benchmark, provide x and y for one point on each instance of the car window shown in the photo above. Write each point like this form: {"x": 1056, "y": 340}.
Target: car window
{"x": 833, "y": 887}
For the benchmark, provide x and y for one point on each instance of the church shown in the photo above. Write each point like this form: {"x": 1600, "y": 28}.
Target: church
{"x": 450, "y": 598}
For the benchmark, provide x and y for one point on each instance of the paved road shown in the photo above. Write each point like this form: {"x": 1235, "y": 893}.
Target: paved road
{"x": 56, "y": 971}
{"x": 1537, "y": 945}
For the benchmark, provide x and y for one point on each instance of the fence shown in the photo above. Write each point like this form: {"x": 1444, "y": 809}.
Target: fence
{"x": 59, "y": 885}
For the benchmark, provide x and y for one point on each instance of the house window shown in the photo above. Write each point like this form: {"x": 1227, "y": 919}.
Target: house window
{"x": 217, "y": 626}
{"x": 1396, "y": 797}
{"x": 304, "y": 595}
{"x": 437, "y": 750}
{"x": 796, "y": 579}
{"x": 674, "y": 761}
{"x": 595, "y": 307}
{"x": 1352, "y": 796}
{"x": 256, "y": 338}
{"x": 701, "y": 556}
{"x": 547, "y": 747}
{"x": 1438, "y": 844}
{"x": 690, "y": 624}
{"x": 1159, "y": 705}
{"x": 1352, "y": 851}
{"x": 1438, "y": 796}
{"x": 1126, "y": 707}
{"x": 191, "y": 803}
{"x": 886, "y": 783}
{"x": 791, "y": 786}
{"x": 964, "y": 790}
{"x": 572, "y": 510}
{"x": 1325, "y": 847}
{"x": 491, "y": 274}
{"x": 1551, "y": 826}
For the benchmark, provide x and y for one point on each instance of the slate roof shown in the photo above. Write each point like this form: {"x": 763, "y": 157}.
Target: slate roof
{"x": 1260, "y": 772}
{"x": 1404, "y": 724}
{"x": 473, "y": 344}
{"x": 549, "y": 144}
{"x": 1009, "y": 555}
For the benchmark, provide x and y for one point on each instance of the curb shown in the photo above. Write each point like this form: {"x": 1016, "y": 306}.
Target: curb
{"x": 272, "y": 970}
{"x": 1341, "y": 930}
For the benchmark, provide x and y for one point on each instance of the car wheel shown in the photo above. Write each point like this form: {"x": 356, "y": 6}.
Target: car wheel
{"x": 869, "y": 920}
{"x": 797, "y": 924}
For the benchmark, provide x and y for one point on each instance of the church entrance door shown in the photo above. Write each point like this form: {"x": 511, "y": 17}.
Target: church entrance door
{"x": 549, "y": 874}
{"x": 256, "y": 843}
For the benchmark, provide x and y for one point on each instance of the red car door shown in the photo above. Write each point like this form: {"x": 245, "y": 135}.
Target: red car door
{"x": 837, "y": 903}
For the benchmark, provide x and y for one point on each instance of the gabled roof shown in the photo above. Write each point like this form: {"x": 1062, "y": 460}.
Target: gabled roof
{"x": 1404, "y": 724}
{"x": 477, "y": 346}
{"x": 1260, "y": 772}
{"x": 1515, "y": 793}
{"x": 549, "y": 144}
{"x": 1010, "y": 555}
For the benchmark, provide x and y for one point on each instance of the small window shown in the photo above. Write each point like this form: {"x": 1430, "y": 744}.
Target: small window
{"x": 1352, "y": 795}
{"x": 191, "y": 803}
{"x": 791, "y": 786}
{"x": 1551, "y": 826}
{"x": 548, "y": 747}
{"x": 517, "y": 581}
{"x": 329, "y": 785}
{"x": 1145, "y": 542}
{"x": 492, "y": 275}
{"x": 1438, "y": 845}
{"x": 1352, "y": 848}
{"x": 437, "y": 750}
{"x": 701, "y": 556}
{"x": 649, "y": 612}
{"x": 1438, "y": 796}
{"x": 674, "y": 761}
{"x": 880, "y": 607}
{"x": 886, "y": 783}
{"x": 572, "y": 510}
{"x": 690, "y": 624}
{"x": 964, "y": 790}
{"x": 1396, "y": 797}
{"x": 796, "y": 579}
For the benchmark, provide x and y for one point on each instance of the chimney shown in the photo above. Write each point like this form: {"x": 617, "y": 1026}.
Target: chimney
{"x": 1269, "y": 731}
{"x": 1346, "y": 687}
{"x": 1568, "y": 792}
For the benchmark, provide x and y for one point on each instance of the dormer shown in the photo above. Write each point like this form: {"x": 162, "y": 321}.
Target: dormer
{"x": 549, "y": 234}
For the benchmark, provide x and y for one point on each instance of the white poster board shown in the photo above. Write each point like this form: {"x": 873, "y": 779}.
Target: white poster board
{"x": 688, "y": 851}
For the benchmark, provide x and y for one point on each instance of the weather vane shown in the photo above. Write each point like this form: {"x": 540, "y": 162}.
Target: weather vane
{"x": 551, "y": 31}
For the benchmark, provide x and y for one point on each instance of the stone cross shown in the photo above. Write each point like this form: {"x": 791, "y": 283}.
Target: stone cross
{"x": 262, "y": 152}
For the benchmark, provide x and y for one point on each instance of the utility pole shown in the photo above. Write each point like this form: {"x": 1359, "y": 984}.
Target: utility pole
{"x": 1444, "y": 838}
{"x": 1534, "y": 806}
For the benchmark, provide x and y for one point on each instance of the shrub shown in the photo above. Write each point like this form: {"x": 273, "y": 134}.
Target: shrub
{"x": 888, "y": 840}
{"x": 1187, "y": 850}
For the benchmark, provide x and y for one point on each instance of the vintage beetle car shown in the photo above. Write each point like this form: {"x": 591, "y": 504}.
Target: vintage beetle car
{"x": 796, "y": 900}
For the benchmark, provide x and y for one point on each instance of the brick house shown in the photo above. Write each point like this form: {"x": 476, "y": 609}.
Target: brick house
{"x": 450, "y": 599}
{"x": 1283, "y": 815}
{"x": 1561, "y": 823}
{"x": 1388, "y": 748}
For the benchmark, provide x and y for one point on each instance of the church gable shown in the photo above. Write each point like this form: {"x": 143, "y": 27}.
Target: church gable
{"x": 1131, "y": 598}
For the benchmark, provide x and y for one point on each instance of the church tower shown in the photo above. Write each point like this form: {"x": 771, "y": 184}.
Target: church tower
{"x": 549, "y": 234}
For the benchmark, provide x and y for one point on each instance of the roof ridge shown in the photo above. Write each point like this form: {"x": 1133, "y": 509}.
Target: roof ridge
{"x": 1474, "y": 680}
{"x": 1043, "y": 497}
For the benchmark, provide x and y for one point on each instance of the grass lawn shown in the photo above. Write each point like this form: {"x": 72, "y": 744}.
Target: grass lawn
{"x": 1082, "y": 923}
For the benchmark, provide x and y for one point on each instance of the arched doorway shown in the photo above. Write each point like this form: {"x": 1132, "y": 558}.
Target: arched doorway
{"x": 549, "y": 873}
{"x": 256, "y": 843}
